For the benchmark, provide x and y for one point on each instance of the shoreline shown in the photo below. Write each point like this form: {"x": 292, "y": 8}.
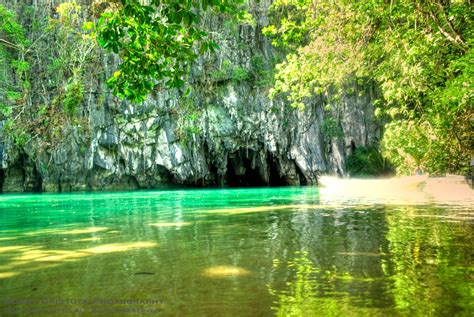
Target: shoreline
{"x": 446, "y": 190}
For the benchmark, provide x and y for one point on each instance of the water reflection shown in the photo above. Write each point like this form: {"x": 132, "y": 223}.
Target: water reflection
{"x": 432, "y": 265}
{"x": 425, "y": 269}
{"x": 239, "y": 252}
{"x": 313, "y": 292}
{"x": 170, "y": 224}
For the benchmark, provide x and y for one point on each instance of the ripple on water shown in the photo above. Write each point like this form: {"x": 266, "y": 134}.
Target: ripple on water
{"x": 253, "y": 252}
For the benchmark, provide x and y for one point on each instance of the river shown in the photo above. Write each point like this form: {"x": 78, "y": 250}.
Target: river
{"x": 288, "y": 251}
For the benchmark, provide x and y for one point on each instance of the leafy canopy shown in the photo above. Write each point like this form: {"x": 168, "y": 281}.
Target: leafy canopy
{"x": 157, "y": 41}
{"x": 419, "y": 55}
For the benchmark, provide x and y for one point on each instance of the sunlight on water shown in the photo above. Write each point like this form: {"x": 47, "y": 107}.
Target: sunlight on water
{"x": 414, "y": 190}
{"x": 240, "y": 252}
{"x": 7, "y": 239}
{"x": 89, "y": 239}
{"x": 236, "y": 211}
{"x": 12, "y": 248}
{"x": 25, "y": 258}
{"x": 119, "y": 247}
{"x": 225, "y": 271}
{"x": 7, "y": 274}
{"x": 170, "y": 224}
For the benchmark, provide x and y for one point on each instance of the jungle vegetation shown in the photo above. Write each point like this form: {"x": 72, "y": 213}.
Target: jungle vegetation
{"x": 419, "y": 55}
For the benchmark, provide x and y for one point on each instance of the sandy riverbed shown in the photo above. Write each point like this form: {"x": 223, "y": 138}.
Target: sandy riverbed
{"x": 449, "y": 190}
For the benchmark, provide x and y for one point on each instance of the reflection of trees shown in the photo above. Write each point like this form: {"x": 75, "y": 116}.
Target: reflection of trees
{"x": 395, "y": 262}
{"x": 350, "y": 241}
{"x": 301, "y": 291}
{"x": 358, "y": 261}
{"x": 431, "y": 262}
{"x": 313, "y": 292}
{"x": 342, "y": 272}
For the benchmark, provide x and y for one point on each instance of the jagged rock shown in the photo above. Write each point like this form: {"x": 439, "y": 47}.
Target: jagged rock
{"x": 109, "y": 138}
{"x": 244, "y": 139}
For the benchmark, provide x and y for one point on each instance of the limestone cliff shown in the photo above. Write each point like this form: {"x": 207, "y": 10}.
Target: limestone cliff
{"x": 235, "y": 135}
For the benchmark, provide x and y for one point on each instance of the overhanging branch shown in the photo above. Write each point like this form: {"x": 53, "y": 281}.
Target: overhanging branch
{"x": 8, "y": 44}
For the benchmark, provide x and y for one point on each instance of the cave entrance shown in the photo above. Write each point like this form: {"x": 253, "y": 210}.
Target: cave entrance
{"x": 275, "y": 178}
{"x": 240, "y": 172}
{"x": 37, "y": 181}
{"x": 31, "y": 177}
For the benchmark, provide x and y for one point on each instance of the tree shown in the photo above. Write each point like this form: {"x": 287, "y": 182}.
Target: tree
{"x": 47, "y": 67}
{"x": 157, "y": 41}
{"x": 419, "y": 55}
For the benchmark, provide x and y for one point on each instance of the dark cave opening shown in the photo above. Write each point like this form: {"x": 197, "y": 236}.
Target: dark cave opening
{"x": 241, "y": 174}
{"x": 59, "y": 184}
{"x": 213, "y": 179}
{"x": 243, "y": 171}
{"x": 275, "y": 178}
{"x": 214, "y": 174}
{"x": 132, "y": 181}
{"x": 164, "y": 173}
{"x": 2, "y": 172}
{"x": 31, "y": 178}
{"x": 37, "y": 182}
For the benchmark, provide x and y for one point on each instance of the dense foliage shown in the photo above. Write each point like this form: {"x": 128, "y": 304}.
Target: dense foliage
{"x": 367, "y": 162}
{"x": 157, "y": 41}
{"x": 48, "y": 69}
{"x": 420, "y": 56}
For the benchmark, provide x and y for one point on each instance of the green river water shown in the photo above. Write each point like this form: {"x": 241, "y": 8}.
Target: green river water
{"x": 232, "y": 252}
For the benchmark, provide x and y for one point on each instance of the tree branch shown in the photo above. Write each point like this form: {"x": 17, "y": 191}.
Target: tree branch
{"x": 451, "y": 26}
{"x": 8, "y": 44}
{"x": 444, "y": 32}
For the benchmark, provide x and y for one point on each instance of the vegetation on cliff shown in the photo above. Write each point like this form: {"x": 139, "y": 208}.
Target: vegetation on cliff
{"x": 157, "y": 41}
{"x": 420, "y": 55}
{"x": 48, "y": 69}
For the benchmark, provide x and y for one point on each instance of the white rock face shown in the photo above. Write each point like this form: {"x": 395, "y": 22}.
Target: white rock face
{"x": 238, "y": 136}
